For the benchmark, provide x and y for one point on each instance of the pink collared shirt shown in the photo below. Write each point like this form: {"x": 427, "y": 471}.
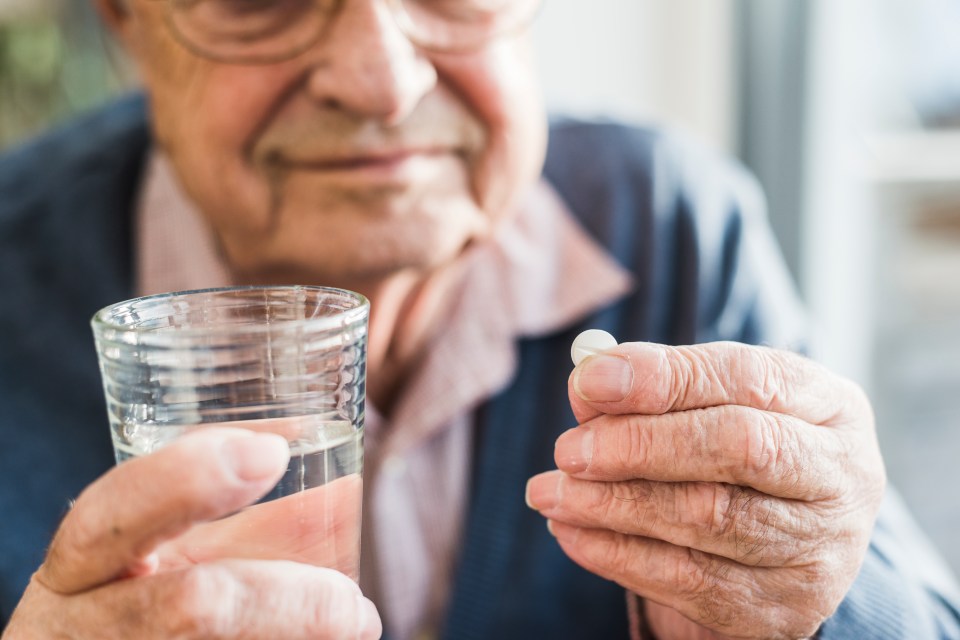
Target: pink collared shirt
{"x": 540, "y": 272}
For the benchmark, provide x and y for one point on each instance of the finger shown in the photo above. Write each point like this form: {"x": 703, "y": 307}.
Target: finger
{"x": 720, "y": 519}
{"x": 653, "y": 379}
{"x": 249, "y": 599}
{"x": 775, "y": 454}
{"x": 714, "y": 592}
{"x": 320, "y": 526}
{"x": 119, "y": 520}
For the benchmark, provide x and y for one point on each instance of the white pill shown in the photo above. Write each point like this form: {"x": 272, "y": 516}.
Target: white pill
{"x": 591, "y": 342}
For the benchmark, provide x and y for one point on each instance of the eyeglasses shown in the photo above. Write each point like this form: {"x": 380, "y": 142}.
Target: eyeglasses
{"x": 266, "y": 31}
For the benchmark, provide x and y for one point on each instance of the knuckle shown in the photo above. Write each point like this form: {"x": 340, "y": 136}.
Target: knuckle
{"x": 727, "y": 512}
{"x": 697, "y": 576}
{"x": 859, "y": 470}
{"x": 689, "y": 577}
{"x": 737, "y": 518}
{"x": 766, "y": 375}
{"x": 636, "y": 445}
{"x": 762, "y": 444}
{"x": 772, "y": 453}
{"x": 778, "y": 369}
{"x": 631, "y": 504}
{"x": 695, "y": 505}
{"x": 608, "y": 552}
{"x": 747, "y": 370}
{"x": 680, "y": 368}
{"x": 202, "y": 603}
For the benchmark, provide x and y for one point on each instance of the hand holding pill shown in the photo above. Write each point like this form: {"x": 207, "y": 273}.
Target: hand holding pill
{"x": 732, "y": 487}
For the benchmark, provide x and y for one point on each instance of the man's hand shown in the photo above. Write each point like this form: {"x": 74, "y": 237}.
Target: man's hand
{"x": 132, "y": 559}
{"x": 734, "y": 485}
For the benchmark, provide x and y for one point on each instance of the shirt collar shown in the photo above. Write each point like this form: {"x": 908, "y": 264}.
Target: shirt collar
{"x": 175, "y": 250}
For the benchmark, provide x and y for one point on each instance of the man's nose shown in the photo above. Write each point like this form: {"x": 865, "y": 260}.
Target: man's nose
{"x": 366, "y": 66}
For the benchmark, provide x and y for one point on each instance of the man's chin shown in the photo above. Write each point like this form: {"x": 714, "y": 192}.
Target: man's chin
{"x": 358, "y": 264}
{"x": 339, "y": 242}
{"x": 374, "y": 268}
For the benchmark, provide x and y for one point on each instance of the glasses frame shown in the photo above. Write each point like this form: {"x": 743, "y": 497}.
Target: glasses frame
{"x": 397, "y": 10}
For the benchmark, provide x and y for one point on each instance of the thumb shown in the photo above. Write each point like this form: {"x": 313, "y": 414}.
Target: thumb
{"x": 120, "y": 519}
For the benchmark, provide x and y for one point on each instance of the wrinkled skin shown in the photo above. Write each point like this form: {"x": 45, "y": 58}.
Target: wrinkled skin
{"x": 144, "y": 553}
{"x": 734, "y": 488}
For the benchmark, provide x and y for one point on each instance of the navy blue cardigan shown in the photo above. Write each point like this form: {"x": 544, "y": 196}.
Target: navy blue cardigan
{"x": 687, "y": 225}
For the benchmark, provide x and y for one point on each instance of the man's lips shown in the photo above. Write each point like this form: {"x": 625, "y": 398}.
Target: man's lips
{"x": 374, "y": 161}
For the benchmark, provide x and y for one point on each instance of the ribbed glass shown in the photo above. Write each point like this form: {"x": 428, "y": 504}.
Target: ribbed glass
{"x": 288, "y": 360}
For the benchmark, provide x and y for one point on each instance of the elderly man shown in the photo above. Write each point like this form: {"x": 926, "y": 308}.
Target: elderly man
{"x": 398, "y": 148}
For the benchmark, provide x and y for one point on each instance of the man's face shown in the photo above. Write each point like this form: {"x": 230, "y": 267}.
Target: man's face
{"x": 359, "y": 158}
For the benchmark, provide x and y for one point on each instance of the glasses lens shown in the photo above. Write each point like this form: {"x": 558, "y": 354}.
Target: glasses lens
{"x": 458, "y": 25}
{"x": 249, "y": 30}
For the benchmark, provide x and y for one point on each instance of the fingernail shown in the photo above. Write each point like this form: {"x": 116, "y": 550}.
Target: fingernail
{"x": 563, "y": 532}
{"x": 574, "y": 450}
{"x": 543, "y": 491}
{"x": 603, "y": 378}
{"x": 256, "y": 457}
{"x": 369, "y": 626}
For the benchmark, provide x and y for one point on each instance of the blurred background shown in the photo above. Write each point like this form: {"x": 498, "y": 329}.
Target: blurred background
{"x": 845, "y": 110}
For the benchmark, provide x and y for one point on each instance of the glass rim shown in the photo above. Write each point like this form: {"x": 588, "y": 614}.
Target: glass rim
{"x": 104, "y": 326}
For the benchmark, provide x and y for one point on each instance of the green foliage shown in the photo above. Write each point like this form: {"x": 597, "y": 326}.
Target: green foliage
{"x": 52, "y": 64}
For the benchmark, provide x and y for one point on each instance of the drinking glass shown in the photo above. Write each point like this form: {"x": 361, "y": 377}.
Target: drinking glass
{"x": 287, "y": 360}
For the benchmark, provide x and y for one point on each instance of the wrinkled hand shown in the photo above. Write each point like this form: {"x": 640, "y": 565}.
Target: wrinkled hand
{"x": 734, "y": 488}
{"x": 142, "y": 554}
